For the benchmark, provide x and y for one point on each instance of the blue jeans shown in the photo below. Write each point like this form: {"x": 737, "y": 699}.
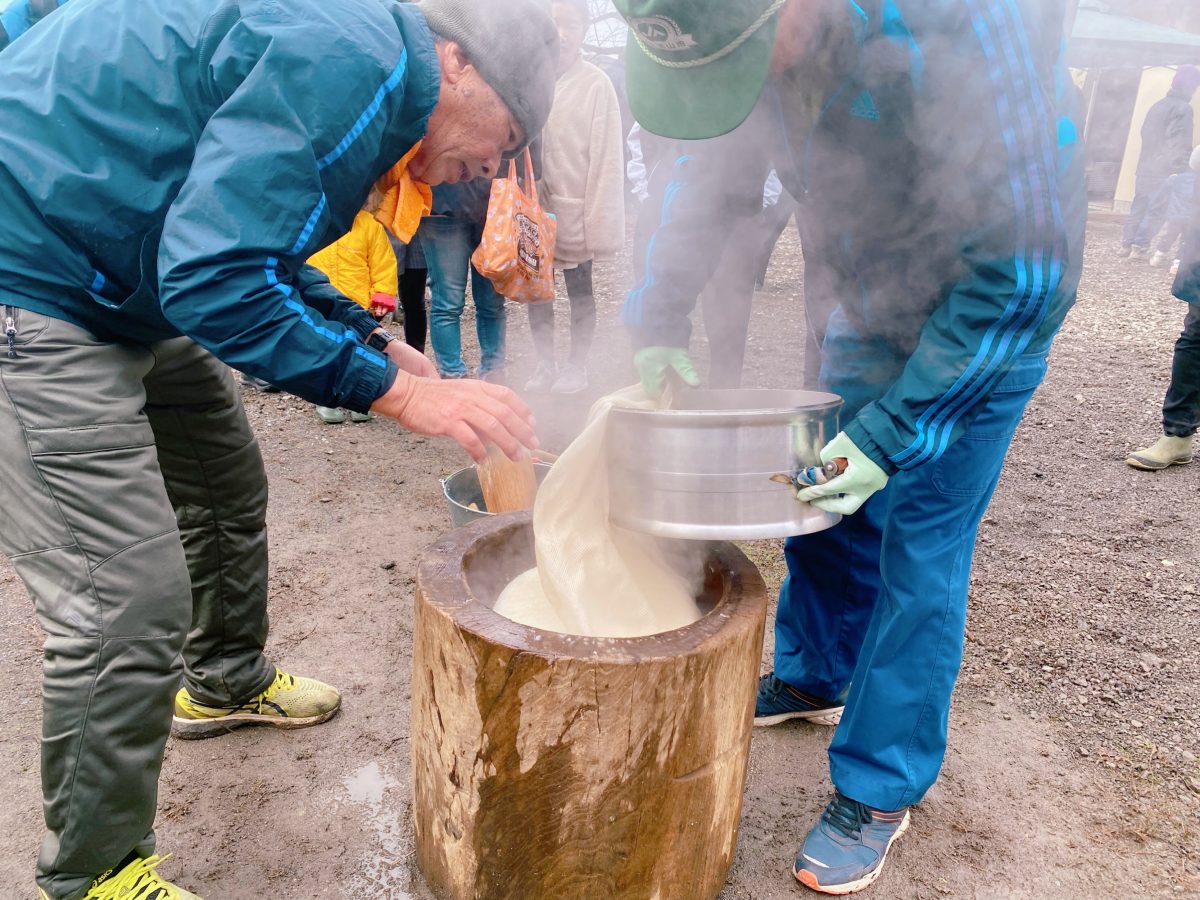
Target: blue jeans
{"x": 874, "y": 609}
{"x": 448, "y": 245}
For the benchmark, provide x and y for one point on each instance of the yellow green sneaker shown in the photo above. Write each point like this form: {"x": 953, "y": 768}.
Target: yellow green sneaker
{"x": 290, "y": 702}
{"x": 133, "y": 878}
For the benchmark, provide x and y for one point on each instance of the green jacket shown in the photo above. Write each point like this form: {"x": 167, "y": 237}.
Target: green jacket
{"x": 166, "y": 169}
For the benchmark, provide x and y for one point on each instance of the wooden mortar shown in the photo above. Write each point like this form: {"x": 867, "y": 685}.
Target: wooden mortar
{"x": 550, "y": 766}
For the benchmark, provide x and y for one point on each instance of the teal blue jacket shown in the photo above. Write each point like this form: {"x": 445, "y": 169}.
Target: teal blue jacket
{"x": 165, "y": 170}
{"x": 932, "y": 147}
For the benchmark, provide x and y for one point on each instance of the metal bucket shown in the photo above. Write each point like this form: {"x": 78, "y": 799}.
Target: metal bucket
{"x": 702, "y": 469}
{"x": 462, "y": 490}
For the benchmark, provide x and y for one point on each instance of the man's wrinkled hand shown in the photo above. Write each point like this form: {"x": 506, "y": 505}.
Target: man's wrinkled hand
{"x": 850, "y": 490}
{"x": 653, "y": 364}
{"x": 411, "y": 360}
{"x": 474, "y": 413}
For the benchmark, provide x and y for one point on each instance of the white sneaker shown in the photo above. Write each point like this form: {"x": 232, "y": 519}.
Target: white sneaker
{"x": 1174, "y": 270}
{"x": 1159, "y": 259}
{"x": 543, "y": 378}
{"x": 571, "y": 380}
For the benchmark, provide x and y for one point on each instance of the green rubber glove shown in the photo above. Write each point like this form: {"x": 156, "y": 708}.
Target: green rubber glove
{"x": 850, "y": 490}
{"x": 653, "y": 363}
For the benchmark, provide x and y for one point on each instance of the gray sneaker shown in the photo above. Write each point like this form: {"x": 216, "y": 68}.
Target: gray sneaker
{"x": 571, "y": 380}
{"x": 331, "y": 416}
{"x": 1138, "y": 253}
{"x": 543, "y": 378}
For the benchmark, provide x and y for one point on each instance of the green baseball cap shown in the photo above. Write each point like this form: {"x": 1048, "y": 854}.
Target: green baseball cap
{"x": 695, "y": 68}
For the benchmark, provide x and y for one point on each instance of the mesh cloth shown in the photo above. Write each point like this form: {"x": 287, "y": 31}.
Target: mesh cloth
{"x": 593, "y": 578}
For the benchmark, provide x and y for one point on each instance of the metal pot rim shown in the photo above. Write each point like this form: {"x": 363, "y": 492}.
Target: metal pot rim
{"x": 820, "y": 401}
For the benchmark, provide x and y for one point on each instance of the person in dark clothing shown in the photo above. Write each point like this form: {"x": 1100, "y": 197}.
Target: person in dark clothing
{"x": 410, "y": 260}
{"x": 1166, "y": 145}
{"x": 1181, "y": 405}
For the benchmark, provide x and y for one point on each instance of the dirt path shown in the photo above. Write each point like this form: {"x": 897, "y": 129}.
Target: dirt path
{"x": 1072, "y": 769}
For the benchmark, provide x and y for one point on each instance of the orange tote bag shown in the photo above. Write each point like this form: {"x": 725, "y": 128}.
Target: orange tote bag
{"x": 517, "y": 250}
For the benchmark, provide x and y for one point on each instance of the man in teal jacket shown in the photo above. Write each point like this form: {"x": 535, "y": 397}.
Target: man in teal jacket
{"x": 930, "y": 145}
{"x": 165, "y": 170}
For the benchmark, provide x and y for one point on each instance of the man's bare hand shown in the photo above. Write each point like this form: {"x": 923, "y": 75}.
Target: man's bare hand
{"x": 474, "y": 413}
{"x": 411, "y": 360}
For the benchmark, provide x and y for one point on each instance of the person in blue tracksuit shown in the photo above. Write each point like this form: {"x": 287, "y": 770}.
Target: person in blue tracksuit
{"x": 165, "y": 171}
{"x": 931, "y": 147}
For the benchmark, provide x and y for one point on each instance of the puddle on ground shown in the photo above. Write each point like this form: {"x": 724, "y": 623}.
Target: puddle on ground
{"x": 383, "y": 871}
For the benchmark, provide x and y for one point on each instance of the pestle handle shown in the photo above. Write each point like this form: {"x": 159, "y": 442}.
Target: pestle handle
{"x": 507, "y": 486}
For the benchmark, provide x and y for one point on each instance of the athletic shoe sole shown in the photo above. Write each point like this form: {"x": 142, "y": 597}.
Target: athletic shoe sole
{"x": 1154, "y": 465}
{"x": 809, "y": 880}
{"x": 198, "y": 729}
{"x": 816, "y": 716}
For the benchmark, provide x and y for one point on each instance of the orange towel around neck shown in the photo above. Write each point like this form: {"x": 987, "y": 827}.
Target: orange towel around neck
{"x": 405, "y": 200}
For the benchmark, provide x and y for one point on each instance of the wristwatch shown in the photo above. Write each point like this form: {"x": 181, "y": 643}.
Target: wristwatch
{"x": 378, "y": 340}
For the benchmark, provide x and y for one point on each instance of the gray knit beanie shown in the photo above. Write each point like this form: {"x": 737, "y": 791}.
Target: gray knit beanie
{"x": 513, "y": 44}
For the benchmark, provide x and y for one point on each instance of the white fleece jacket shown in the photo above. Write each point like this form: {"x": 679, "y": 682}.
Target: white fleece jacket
{"x": 583, "y": 166}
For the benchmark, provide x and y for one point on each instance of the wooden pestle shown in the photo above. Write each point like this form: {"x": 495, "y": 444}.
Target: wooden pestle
{"x": 507, "y": 486}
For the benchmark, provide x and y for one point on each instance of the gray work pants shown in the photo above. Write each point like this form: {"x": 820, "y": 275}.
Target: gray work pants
{"x": 132, "y": 504}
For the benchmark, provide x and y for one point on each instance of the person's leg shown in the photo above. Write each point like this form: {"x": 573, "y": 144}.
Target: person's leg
{"x": 447, "y": 245}
{"x": 1181, "y": 406}
{"x": 490, "y": 318}
{"x": 215, "y": 478}
{"x": 412, "y": 302}
{"x": 1156, "y": 214}
{"x": 1145, "y": 192}
{"x": 890, "y": 743}
{"x": 826, "y": 601}
{"x": 1171, "y": 233}
{"x": 541, "y": 330}
{"x": 581, "y": 295}
{"x": 833, "y": 579}
{"x": 91, "y": 531}
{"x": 726, "y": 303}
{"x": 771, "y": 226}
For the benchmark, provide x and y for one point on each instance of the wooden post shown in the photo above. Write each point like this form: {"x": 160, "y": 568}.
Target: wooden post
{"x": 551, "y": 766}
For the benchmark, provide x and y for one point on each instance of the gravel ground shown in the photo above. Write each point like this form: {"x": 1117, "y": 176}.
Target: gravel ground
{"x": 1072, "y": 767}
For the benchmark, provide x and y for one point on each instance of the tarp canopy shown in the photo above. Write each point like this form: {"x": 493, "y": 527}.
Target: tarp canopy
{"x": 1101, "y": 40}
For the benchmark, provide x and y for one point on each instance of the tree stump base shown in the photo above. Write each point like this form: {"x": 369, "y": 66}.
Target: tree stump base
{"x": 573, "y": 768}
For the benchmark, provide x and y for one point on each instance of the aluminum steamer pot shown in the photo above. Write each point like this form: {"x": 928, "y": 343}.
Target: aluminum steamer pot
{"x": 703, "y": 469}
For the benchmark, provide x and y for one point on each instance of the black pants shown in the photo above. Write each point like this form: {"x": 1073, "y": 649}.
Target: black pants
{"x": 412, "y": 302}
{"x": 1181, "y": 406}
{"x": 583, "y": 317}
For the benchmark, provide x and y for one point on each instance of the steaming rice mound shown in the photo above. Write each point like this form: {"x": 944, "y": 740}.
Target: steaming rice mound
{"x": 593, "y": 578}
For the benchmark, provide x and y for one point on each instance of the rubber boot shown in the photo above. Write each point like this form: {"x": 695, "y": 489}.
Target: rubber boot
{"x": 1168, "y": 450}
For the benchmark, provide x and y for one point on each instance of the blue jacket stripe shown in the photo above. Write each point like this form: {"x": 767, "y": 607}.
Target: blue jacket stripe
{"x": 1047, "y": 263}
{"x": 337, "y": 337}
{"x": 635, "y": 301}
{"x": 306, "y": 232}
{"x": 15, "y": 19}
{"x": 1035, "y": 282}
{"x": 367, "y": 114}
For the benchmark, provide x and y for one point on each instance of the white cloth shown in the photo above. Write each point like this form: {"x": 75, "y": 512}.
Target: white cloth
{"x": 582, "y": 166}
{"x": 635, "y": 169}
{"x": 593, "y": 578}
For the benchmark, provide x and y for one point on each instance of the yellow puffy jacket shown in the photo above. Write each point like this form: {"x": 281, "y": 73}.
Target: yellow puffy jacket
{"x": 361, "y": 262}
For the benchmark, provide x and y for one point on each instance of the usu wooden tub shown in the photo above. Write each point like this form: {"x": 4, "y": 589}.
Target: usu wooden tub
{"x": 550, "y": 766}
